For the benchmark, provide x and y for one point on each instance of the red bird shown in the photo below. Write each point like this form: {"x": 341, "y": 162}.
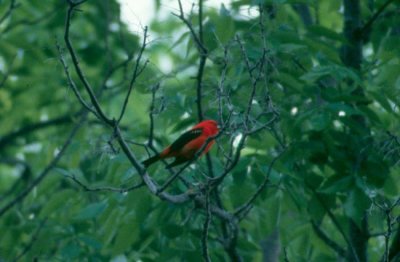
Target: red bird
{"x": 186, "y": 146}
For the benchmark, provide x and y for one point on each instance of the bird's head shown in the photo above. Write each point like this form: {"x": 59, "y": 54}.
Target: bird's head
{"x": 210, "y": 127}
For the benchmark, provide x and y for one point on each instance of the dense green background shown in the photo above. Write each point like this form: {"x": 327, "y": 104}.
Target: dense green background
{"x": 328, "y": 72}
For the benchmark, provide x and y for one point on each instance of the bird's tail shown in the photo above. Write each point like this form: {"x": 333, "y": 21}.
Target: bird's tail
{"x": 150, "y": 160}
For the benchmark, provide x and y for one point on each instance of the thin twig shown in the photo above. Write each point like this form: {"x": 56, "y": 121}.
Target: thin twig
{"x": 71, "y": 82}
{"x": 336, "y": 223}
{"x": 35, "y": 21}
{"x": 232, "y": 162}
{"x": 152, "y": 186}
{"x": 373, "y": 18}
{"x": 254, "y": 79}
{"x": 26, "y": 175}
{"x": 75, "y": 61}
{"x": 327, "y": 240}
{"x": 390, "y": 223}
{"x": 388, "y": 234}
{"x": 174, "y": 176}
{"x": 221, "y": 85}
{"x": 196, "y": 38}
{"x": 188, "y": 216}
{"x": 203, "y": 58}
{"x": 196, "y": 156}
{"x": 204, "y": 238}
{"x": 32, "y": 241}
{"x": 110, "y": 72}
{"x": 151, "y": 113}
{"x": 238, "y": 212}
{"x": 136, "y": 72}
{"x": 203, "y": 53}
{"x": 105, "y": 188}
{"x": 11, "y": 7}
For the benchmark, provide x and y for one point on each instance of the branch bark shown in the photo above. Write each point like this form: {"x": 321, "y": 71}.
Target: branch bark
{"x": 328, "y": 241}
{"x": 78, "y": 70}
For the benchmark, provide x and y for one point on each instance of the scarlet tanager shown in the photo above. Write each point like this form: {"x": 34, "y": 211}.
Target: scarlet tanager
{"x": 186, "y": 146}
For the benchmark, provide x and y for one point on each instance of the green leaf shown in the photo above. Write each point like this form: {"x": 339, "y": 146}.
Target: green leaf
{"x": 240, "y": 174}
{"x": 313, "y": 180}
{"x": 172, "y": 230}
{"x": 321, "y": 31}
{"x": 381, "y": 98}
{"x": 57, "y": 201}
{"x": 391, "y": 187}
{"x": 5, "y": 101}
{"x": 71, "y": 251}
{"x": 291, "y": 48}
{"x": 130, "y": 172}
{"x": 127, "y": 233}
{"x": 91, "y": 211}
{"x": 342, "y": 107}
{"x": 239, "y": 193}
{"x": 315, "y": 209}
{"x": 370, "y": 114}
{"x": 337, "y": 184}
{"x": 90, "y": 241}
{"x": 287, "y": 80}
{"x": 319, "y": 121}
{"x": 356, "y": 204}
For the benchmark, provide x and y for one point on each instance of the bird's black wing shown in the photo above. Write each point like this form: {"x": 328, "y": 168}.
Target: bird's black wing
{"x": 185, "y": 138}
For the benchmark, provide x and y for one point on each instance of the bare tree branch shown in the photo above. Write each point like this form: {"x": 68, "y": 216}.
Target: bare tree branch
{"x": 153, "y": 187}
{"x": 75, "y": 61}
{"x": 254, "y": 79}
{"x": 71, "y": 83}
{"x": 199, "y": 43}
{"x": 151, "y": 114}
{"x": 150, "y": 144}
